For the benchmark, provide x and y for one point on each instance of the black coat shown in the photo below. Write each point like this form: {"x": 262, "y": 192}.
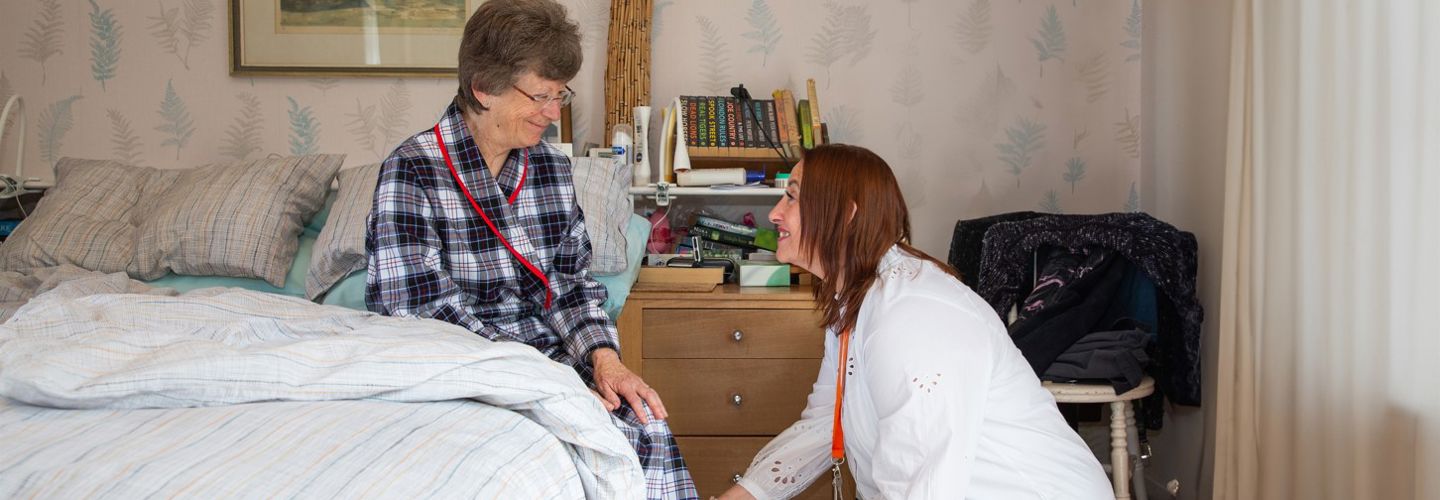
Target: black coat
{"x": 1163, "y": 253}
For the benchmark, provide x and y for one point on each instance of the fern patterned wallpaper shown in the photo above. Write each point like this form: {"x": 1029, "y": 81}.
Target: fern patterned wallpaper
{"x": 981, "y": 106}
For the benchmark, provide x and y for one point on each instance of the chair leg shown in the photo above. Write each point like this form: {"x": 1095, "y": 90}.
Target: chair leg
{"x": 1119, "y": 452}
{"x": 1133, "y": 447}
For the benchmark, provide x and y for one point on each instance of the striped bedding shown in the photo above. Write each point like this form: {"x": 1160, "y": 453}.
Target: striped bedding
{"x": 224, "y": 393}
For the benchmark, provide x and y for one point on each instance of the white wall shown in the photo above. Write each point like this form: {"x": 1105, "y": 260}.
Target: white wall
{"x": 937, "y": 88}
{"x": 1185, "y": 91}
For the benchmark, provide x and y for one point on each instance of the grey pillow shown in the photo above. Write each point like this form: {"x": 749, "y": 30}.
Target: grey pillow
{"x": 88, "y": 219}
{"x": 340, "y": 250}
{"x": 239, "y": 219}
{"x": 602, "y": 190}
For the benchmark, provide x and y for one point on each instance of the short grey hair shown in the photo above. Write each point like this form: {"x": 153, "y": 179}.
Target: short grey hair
{"x": 505, "y": 38}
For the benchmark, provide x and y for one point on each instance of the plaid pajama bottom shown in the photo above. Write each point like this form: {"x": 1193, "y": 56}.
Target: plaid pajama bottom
{"x": 666, "y": 476}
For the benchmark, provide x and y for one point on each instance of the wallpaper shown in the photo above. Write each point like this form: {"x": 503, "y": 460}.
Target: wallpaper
{"x": 981, "y": 106}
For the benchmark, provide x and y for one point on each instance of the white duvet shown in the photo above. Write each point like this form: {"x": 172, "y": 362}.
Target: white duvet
{"x": 223, "y": 393}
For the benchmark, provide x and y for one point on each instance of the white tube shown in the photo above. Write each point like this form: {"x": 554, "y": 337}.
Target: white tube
{"x": 681, "y": 162}
{"x": 641, "y": 170}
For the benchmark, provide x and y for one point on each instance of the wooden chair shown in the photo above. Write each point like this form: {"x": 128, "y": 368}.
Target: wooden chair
{"x": 1123, "y": 439}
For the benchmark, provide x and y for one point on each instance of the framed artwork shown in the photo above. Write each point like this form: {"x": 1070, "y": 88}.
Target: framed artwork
{"x": 346, "y": 37}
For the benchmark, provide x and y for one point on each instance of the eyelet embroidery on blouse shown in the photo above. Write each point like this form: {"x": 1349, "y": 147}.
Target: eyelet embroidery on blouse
{"x": 928, "y": 384}
{"x": 788, "y": 476}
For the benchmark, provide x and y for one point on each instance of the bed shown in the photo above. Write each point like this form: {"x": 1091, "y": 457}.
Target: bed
{"x": 201, "y": 333}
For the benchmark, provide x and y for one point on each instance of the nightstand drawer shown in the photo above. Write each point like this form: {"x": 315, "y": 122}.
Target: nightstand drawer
{"x": 732, "y": 397}
{"x": 732, "y": 333}
{"x": 715, "y": 462}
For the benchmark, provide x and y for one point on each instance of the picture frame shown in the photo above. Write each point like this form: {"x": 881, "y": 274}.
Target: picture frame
{"x": 335, "y": 38}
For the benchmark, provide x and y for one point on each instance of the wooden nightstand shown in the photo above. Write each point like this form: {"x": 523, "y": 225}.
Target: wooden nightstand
{"x": 734, "y": 367}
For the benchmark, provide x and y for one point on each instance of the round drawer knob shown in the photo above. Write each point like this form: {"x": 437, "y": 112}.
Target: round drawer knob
{"x": 736, "y": 399}
{"x": 738, "y": 335}
{"x": 735, "y": 479}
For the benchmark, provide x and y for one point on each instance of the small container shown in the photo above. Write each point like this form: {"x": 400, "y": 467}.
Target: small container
{"x": 754, "y": 176}
{"x": 782, "y": 180}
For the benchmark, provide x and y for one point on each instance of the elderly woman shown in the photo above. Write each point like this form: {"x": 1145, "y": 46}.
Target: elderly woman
{"x": 475, "y": 222}
{"x": 921, "y": 393}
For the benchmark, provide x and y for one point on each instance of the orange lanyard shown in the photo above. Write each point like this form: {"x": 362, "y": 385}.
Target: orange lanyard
{"x": 837, "y": 439}
{"x": 533, "y": 270}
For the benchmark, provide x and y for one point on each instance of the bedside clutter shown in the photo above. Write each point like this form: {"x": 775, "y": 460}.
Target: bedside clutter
{"x": 744, "y": 251}
{"x": 679, "y": 274}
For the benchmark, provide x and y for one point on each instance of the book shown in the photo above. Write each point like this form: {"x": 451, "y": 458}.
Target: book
{"x": 766, "y": 240}
{"x": 724, "y": 134}
{"x": 772, "y": 131}
{"x": 724, "y": 225}
{"x": 815, "y": 120}
{"x": 782, "y": 122}
{"x": 807, "y": 132}
{"x": 792, "y": 112}
{"x": 712, "y": 123}
{"x": 696, "y": 132}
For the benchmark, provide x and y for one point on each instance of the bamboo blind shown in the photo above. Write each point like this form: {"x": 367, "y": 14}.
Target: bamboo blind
{"x": 627, "y": 68}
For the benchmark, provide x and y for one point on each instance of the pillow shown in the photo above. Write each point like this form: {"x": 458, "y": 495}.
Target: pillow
{"x": 294, "y": 280}
{"x": 239, "y": 219}
{"x": 88, "y": 219}
{"x": 602, "y": 190}
{"x": 349, "y": 292}
{"x": 340, "y": 249}
{"x": 618, "y": 286}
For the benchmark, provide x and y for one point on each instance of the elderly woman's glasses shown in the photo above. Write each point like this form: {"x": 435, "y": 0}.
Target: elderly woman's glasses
{"x": 564, "y": 97}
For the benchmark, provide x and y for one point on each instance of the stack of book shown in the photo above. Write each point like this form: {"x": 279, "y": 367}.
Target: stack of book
{"x": 726, "y": 127}
{"x": 721, "y": 233}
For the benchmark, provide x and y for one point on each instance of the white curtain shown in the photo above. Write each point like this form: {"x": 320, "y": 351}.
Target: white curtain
{"x": 1329, "y": 345}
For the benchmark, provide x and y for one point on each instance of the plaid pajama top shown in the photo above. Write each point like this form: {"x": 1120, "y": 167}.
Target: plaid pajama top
{"x": 433, "y": 256}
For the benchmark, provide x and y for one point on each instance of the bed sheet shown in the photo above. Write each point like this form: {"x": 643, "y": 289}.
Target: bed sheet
{"x": 227, "y": 392}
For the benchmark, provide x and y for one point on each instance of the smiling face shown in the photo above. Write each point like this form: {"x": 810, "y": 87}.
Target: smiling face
{"x": 786, "y": 216}
{"x": 514, "y": 119}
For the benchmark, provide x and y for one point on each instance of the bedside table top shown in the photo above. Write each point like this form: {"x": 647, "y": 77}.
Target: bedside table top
{"x": 800, "y": 293}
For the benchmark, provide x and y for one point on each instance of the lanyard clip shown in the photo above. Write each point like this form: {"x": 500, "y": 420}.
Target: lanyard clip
{"x": 836, "y": 482}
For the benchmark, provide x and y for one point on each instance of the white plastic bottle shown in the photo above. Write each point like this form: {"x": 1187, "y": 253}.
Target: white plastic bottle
{"x": 622, "y": 141}
{"x": 641, "y": 155}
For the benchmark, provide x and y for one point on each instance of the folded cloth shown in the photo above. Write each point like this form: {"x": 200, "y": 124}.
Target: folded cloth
{"x": 1115, "y": 356}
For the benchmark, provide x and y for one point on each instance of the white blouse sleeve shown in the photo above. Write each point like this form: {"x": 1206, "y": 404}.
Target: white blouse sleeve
{"x": 796, "y": 457}
{"x": 927, "y": 365}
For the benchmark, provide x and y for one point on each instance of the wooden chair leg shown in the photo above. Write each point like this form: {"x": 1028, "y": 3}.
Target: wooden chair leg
{"x": 1119, "y": 451}
{"x": 1133, "y": 451}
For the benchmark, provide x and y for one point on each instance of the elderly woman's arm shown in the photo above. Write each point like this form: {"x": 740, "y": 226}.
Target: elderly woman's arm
{"x": 589, "y": 334}
{"x": 406, "y": 274}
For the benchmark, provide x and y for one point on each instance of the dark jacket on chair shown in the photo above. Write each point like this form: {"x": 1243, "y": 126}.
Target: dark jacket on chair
{"x": 1166, "y": 255}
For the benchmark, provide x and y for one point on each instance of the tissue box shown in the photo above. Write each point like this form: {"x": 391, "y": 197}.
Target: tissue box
{"x": 766, "y": 274}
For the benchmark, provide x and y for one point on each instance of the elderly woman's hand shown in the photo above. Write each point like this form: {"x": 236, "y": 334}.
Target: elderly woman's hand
{"x": 614, "y": 381}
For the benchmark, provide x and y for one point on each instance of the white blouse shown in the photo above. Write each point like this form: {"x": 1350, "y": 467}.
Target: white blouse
{"x": 938, "y": 404}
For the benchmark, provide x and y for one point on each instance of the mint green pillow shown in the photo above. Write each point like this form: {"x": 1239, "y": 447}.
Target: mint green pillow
{"x": 294, "y": 280}
{"x": 350, "y": 291}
